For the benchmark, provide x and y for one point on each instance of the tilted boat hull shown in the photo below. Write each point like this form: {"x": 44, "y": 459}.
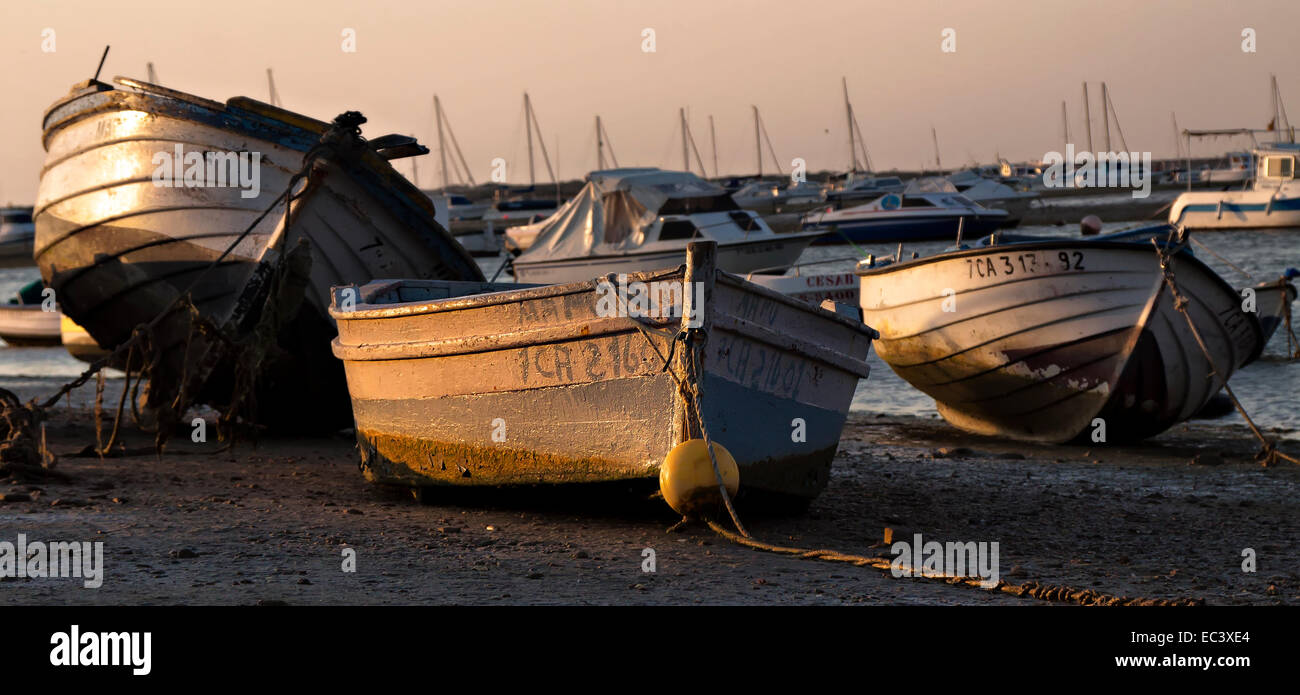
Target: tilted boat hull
{"x": 532, "y": 386}
{"x": 119, "y": 249}
{"x": 1040, "y": 339}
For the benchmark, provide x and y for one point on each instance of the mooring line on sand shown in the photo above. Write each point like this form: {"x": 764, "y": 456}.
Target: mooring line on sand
{"x": 695, "y": 337}
{"x": 1268, "y": 455}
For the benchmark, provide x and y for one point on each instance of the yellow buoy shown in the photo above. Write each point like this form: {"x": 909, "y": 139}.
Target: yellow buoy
{"x": 687, "y": 481}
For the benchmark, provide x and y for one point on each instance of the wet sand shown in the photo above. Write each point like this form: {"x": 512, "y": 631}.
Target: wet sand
{"x": 269, "y": 523}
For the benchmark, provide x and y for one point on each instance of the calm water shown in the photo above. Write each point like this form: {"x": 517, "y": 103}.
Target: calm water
{"x": 1269, "y": 388}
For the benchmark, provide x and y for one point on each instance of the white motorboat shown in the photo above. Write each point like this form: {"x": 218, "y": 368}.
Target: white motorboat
{"x": 1274, "y": 200}
{"x": 638, "y": 220}
{"x": 928, "y": 209}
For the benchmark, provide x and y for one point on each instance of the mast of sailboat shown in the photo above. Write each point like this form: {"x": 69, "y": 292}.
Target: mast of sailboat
{"x": 442, "y": 140}
{"x": 1178, "y": 136}
{"x": 530, "y": 117}
{"x": 1087, "y": 116}
{"x": 1280, "y": 121}
{"x": 686, "y": 154}
{"x": 1105, "y": 112}
{"x": 528, "y": 128}
{"x": 758, "y": 142}
{"x": 713, "y": 141}
{"x": 1065, "y": 125}
{"x": 848, "y": 112}
{"x": 689, "y": 138}
{"x": 600, "y": 146}
{"x": 1110, "y": 105}
{"x": 153, "y": 76}
{"x": 934, "y": 135}
{"x": 270, "y": 84}
{"x": 445, "y": 123}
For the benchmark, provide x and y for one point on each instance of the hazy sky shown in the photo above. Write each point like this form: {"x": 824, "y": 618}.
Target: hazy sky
{"x": 999, "y": 92}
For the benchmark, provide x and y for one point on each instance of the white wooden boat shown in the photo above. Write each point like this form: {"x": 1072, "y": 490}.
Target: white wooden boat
{"x": 17, "y": 234}
{"x": 638, "y": 220}
{"x": 1274, "y": 201}
{"x": 119, "y": 241}
{"x": 28, "y": 325}
{"x": 1036, "y": 340}
{"x": 810, "y": 282}
{"x": 506, "y": 384}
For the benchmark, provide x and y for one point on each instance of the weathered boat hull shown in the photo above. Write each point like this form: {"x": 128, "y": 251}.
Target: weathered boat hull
{"x": 23, "y": 325}
{"x": 1035, "y": 341}
{"x": 1273, "y": 301}
{"x": 119, "y": 249}
{"x": 768, "y": 252}
{"x": 531, "y": 385}
{"x": 813, "y": 288}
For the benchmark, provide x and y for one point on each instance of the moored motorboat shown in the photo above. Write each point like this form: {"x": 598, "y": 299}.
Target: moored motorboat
{"x": 1273, "y": 201}
{"x": 145, "y": 189}
{"x": 926, "y": 209}
{"x": 504, "y": 384}
{"x": 637, "y": 220}
{"x": 1038, "y": 340}
{"x": 29, "y": 318}
{"x": 17, "y": 234}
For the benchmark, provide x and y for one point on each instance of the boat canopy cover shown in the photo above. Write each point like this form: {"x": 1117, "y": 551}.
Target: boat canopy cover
{"x": 616, "y": 208}
{"x": 930, "y": 184}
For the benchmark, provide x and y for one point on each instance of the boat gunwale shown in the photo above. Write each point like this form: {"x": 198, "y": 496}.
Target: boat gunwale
{"x": 585, "y": 260}
{"x": 531, "y": 291}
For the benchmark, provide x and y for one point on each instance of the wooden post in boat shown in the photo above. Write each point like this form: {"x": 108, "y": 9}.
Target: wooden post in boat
{"x": 701, "y": 267}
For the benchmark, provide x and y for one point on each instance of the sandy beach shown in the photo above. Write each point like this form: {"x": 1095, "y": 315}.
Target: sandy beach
{"x": 270, "y": 523}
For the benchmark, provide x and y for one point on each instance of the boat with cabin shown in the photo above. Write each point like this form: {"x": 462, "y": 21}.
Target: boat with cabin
{"x": 635, "y": 220}
{"x": 927, "y": 209}
{"x": 1272, "y": 202}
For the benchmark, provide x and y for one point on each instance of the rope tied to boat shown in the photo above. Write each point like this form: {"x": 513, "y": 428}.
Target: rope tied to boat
{"x": 690, "y": 387}
{"x": 1268, "y": 454}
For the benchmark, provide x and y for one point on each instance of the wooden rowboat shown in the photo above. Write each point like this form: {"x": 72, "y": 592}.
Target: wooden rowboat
{"x": 1036, "y": 340}
{"x": 505, "y": 384}
{"x": 121, "y": 242}
{"x": 28, "y": 325}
